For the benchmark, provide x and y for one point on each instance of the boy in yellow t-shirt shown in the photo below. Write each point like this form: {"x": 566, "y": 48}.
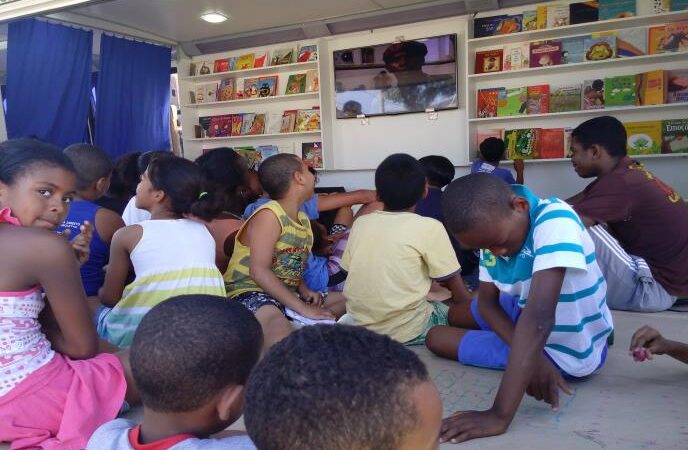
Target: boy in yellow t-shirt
{"x": 393, "y": 256}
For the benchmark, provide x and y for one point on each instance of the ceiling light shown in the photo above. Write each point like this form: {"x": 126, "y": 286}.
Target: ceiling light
{"x": 214, "y": 17}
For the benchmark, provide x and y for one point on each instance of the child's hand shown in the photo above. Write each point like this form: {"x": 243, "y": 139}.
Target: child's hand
{"x": 518, "y": 165}
{"x": 647, "y": 342}
{"x": 310, "y": 296}
{"x": 546, "y": 382}
{"x": 465, "y": 425}
{"x": 315, "y": 312}
{"x": 82, "y": 243}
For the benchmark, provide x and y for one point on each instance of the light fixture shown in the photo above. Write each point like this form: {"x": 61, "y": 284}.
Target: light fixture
{"x": 214, "y": 17}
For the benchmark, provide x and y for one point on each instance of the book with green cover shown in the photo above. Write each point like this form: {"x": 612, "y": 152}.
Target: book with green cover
{"x": 564, "y": 98}
{"x": 643, "y": 138}
{"x": 512, "y": 101}
{"x": 521, "y": 143}
{"x": 620, "y": 90}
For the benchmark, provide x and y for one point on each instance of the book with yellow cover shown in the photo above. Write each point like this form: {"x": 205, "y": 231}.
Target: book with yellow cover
{"x": 643, "y": 138}
{"x": 244, "y": 62}
{"x": 652, "y": 88}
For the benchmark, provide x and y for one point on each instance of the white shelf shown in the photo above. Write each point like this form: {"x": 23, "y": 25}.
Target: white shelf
{"x": 546, "y": 160}
{"x": 589, "y": 112}
{"x": 255, "y": 136}
{"x": 620, "y": 62}
{"x": 249, "y": 72}
{"x": 274, "y": 98}
{"x": 581, "y": 28}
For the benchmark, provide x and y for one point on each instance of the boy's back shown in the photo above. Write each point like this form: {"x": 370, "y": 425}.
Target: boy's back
{"x": 391, "y": 259}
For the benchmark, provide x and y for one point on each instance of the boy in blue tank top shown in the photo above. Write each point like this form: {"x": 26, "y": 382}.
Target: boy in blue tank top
{"x": 93, "y": 168}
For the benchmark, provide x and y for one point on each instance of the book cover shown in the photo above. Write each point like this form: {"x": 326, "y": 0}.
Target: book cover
{"x": 620, "y": 90}
{"x": 267, "y": 151}
{"x": 308, "y": 53}
{"x": 225, "y": 125}
{"x": 260, "y": 59}
{"x": 541, "y": 17}
{"x": 231, "y": 61}
{"x": 676, "y": 39}
{"x": 512, "y": 101}
{"x": 573, "y": 49}
{"x": 251, "y": 87}
{"x": 288, "y": 121}
{"x": 487, "y": 61}
{"x": 516, "y": 56}
{"x": 651, "y": 88}
{"x": 510, "y": 138}
{"x": 545, "y": 53}
{"x": 529, "y": 21}
{"x": 237, "y": 121}
{"x": 631, "y": 42}
{"x": 599, "y": 47}
{"x": 550, "y": 143}
{"x": 568, "y": 142}
{"x": 679, "y": 5}
{"x": 651, "y": 7}
{"x": 282, "y": 56}
{"x": 565, "y": 98}
{"x": 250, "y": 155}
{"x": 522, "y": 143}
{"x": 510, "y": 24}
{"x": 655, "y": 39}
{"x": 239, "y": 89}
{"x": 677, "y": 86}
{"x": 643, "y": 138}
{"x": 583, "y": 12}
{"x": 616, "y": 9}
{"x": 204, "y": 122}
{"x": 221, "y": 65}
{"x": 215, "y": 129}
{"x": 204, "y": 69}
{"x": 311, "y": 153}
{"x": 593, "y": 94}
{"x": 206, "y": 92}
{"x": 538, "y": 99}
{"x": 247, "y": 123}
{"x": 258, "y": 124}
{"x": 481, "y": 135}
{"x": 296, "y": 84}
{"x": 312, "y": 81}
{"x": 558, "y": 16}
{"x": 226, "y": 90}
{"x": 244, "y": 62}
{"x": 273, "y": 122}
{"x": 486, "y": 26}
{"x": 267, "y": 86}
{"x": 675, "y": 136}
{"x": 307, "y": 120}
{"x": 487, "y": 102}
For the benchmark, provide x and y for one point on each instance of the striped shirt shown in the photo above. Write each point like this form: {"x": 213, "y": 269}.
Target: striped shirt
{"x": 557, "y": 238}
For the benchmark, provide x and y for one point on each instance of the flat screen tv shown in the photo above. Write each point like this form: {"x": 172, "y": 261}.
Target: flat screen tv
{"x": 396, "y": 78}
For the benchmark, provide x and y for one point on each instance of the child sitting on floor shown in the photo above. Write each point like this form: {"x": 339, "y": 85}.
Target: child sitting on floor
{"x": 54, "y": 389}
{"x": 344, "y": 388}
{"x": 393, "y": 256}
{"x": 93, "y": 169}
{"x": 647, "y": 341}
{"x": 557, "y": 321}
{"x": 271, "y": 249}
{"x": 492, "y": 151}
{"x": 132, "y": 214}
{"x": 171, "y": 255}
{"x": 190, "y": 358}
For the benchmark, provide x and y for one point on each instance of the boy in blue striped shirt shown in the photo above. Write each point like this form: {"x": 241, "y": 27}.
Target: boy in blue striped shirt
{"x": 551, "y": 320}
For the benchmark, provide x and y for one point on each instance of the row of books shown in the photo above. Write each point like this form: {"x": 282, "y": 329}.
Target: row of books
{"x": 311, "y": 153}
{"x": 650, "y": 88}
{"x": 643, "y": 138}
{"x": 277, "y": 57}
{"x": 559, "y": 15}
{"x": 625, "y": 43}
{"x": 247, "y": 124}
{"x": 254, "y": 87}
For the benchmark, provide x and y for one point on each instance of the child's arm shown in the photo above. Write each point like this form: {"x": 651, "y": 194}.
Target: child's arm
{"x": 339, "y": 199}
{"x": 458, "y": 289}
{"x": 648, "y": 341}
{"x": 518, "y": 167}
{"x": 261, "y": 235}
{"x": 491, "y": 310}
{"x": 526, "y": 364}
{"x": 123, "y": 242}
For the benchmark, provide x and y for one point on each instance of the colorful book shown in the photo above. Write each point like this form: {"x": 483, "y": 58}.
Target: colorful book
{"x": 564, "y": 98}
{"x": 510, "y": 24}
{"x": 250, "y": 125}
{"x": 237, "y": 122}
{"x": 616, "y": 9}
{"x": 538, "y": 99}
{"x": 308, "y": 53}
{"x": 296, "y": 84}
{"x": 558, "y": 16}
{"x": 307, "y": 120}
{"x": 599, "y": 47}
{"x": 267, "y": 151}
{"x": 510, "y": 138}
{"x": 250, "y": 155}
{"x": 206, "y": 92}
{"x": 550, "y": 143}
{"x": 267, "y": 86}
{"x": 643, "y": 138}
{"x": 260, "y": 59}
{"x": 487, "y": 61}
{"x": 251, "y": 87}
{"x": 523, "y": 145}
{"x": 239, "y": 89}
{"x": 676, "y": 37}
{"x": 311, "y": 153}
{"x": 226, "y": 90}
{"x": 631, "y": 42}
{"x": 675, "y": 136}
{"x": 244, "y": 62}
{"x": 288, "y": 121}
{"x": 545, "y": 53}
{"x": 593, "y": 94}
{"x": 215, "y": 127}
{"x": 258, "y": 124}
{"x": 486, "y": 26}
{"x": 232, "y": 62}
{"x": 583, "y": 12}
{"x": 620, "y": 90}
{"x": 512, "y": 101}
{"x": 487, "y": 102}
{"x": 529, "y": 21}
{"x": 221, "y": 65}
{"x": 541, "y": 17}
{"x": 651, "y": 88}
{"x": 204, "y": 123}
{"x": 312, "y": 81}
{"x": 516, "y": 56}
{"x": 656, "y": 39}
{"x": 226, "y": 125}
{"x": 677, "y": 86}
{"x": 282, "y": 56}
{"x": 651, "y": 7}
{"x": 573, "y": 49}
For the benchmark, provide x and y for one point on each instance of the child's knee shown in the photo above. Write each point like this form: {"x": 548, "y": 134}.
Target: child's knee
{"x": 444, "y": 341}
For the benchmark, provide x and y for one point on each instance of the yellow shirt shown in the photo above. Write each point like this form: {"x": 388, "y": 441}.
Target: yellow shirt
{"x": 288, "y": 258}
{"x": 391, "y": 259}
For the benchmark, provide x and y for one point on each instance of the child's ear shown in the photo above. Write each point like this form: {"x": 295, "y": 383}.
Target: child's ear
{"x": 103, "y": 184}
{"x": 519, "y": 204}
{"x": 425, "y": 190}
{"x": 231, "y": 403}
{"x": 596, "y": 151}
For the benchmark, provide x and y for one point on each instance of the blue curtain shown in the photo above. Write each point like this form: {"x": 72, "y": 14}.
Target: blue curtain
{"x": 133, "y": 97}
{"x": 48, "y": 81}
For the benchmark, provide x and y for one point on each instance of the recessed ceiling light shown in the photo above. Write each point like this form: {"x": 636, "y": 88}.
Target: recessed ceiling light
{"x": 214, "y": 17}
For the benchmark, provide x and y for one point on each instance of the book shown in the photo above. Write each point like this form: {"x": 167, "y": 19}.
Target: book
{"x": 529, "y": 21}
{"x": 288, "y": 121}
{"x": 643, "y": 138}
{"x": 204, "y": 122}
{"x": 675, "y": 136}
{"x": 296, "y": 84}
{"x": 558, "y": 16}
{"x": 583, "y": 12}
{"x": 250, "y": 155}
{"x": 538, "y": 99}
{"x": 564, "y": 98}
{"x": 267, "y": 151}
{"x": 307, "y": 120}
{"x": 677, "y": 86}
{"x": 651, "y": 88}
{"x": 651, "y": 7}
{"x": 573, "y": 49}
{"x": 512, "y": 101}
{"x": 251, "y": 87}
{"x": 486, "y": 26}
{"x": 252, "y": 124}
{"x": 267, "y": 86}
{"x": 221, "y": 65}
{"x": 282, "y": 56}
{"x": 676, "y": 39}
{"x": 541, "y": 17}
{"x": 273, "y": 122}
{"x": 307, "y": 53}
{"x": 516, "y": 56}
{"x": 510, "y": 138}
{"x": 616, "y": 9}
{"x": 599, "y": 47}
{"x": 244, "y": 62}
{"x": 220, "y": 126}
{"x": 311, "y": 153}
{"x": 521, "y": 144}
{"x": 206, "y": 92}
{"x": 231, "y": 61}
{"x": 226, "y": 125}
{"x": 192, "y": 97}
{"x": 237, "y": 121}
{"x": 550, "y": 143}
{"x": 593, "y": 94}
{"x": 545, "y": 53}
{"x": 631, "y": 42}
{"x": 487, "y": 102}
{"x": 260, "y": 59}
{"x": 226, "y": 90}
{"x": 312, "y": 81}
{"x": 510, "y": 24}
{"x": 214, "y": 130}
{"x": 655, "y": 39}
{"x": 204, "y": 69}
{"x": 568, "y": 142}
{"x": 481, "y": 135}
{"x": 487, "y": 61}
{"x": 619, "y": 90}
{"x": 239, "y": 89}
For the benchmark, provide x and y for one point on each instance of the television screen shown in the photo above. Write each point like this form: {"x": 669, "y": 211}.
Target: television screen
{"x": 401, "y": 77}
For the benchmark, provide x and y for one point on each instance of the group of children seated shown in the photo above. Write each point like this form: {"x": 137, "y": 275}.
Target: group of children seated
{"x": 188, "y": 302}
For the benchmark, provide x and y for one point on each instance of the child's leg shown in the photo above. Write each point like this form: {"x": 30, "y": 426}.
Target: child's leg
{"x": 445, "y": 340}
{"x": 368, "y": 208}
{"x": 344, "y": 216}
{"x": 275, "y": 325}
{"x": 336, "y": 302}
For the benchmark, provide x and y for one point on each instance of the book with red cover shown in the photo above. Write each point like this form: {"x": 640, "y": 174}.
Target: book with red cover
{"x": 545, "y": 53}
{"x": 237, "y": 120}
{"x": 489, "y": 61}
{"x": 550, "y": 143}
{"x": 538, "y": 99}
{"x": 487, "y": 102}
{"x": 221, "y": 65}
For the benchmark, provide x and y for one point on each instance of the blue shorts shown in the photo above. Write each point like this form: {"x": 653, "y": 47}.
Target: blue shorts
{"x": 484, "y": 348}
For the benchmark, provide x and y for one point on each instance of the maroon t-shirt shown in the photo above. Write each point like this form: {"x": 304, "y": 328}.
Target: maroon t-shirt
{"x": 646, "y": 216}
